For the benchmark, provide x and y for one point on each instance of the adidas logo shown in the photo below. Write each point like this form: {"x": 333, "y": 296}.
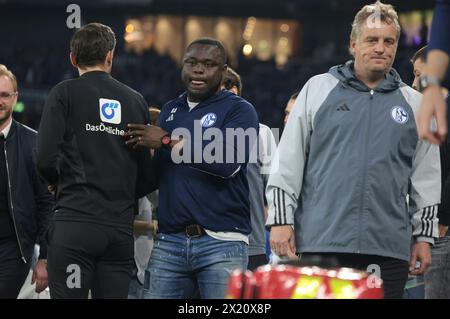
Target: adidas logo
{"x": 343, "y": 107}
{"x": 170, "y": 118}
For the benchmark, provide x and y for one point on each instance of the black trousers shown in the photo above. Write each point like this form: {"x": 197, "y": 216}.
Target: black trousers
{"x": 393, "y": 272}
{"x": 13, "y": 270}
{"x": 87, "y": 256}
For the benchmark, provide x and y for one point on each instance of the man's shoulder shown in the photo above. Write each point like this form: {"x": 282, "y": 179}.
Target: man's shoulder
{"x": 323, "y": 78}
{"x": 26, "y": 130}
{"x": 409, "y": 90}
{"x": 315, "y": 91}
{"x": 412, "y": 96}
{"x": 172, "y": 103}
{"x": 265, "y": 131}
{"x": 239, "y": 103}
{"x": 263, "y": 127}
{"x": 242, "y": 108}
{"x": 126, "y": 89}
{"x": 63, "y": 85}
{"x": 25, "y": 134}
{"x": 319, "y": 85}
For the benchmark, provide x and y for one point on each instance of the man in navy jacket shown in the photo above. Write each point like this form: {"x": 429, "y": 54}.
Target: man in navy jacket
{"x": 204, "y": 216}
{"x": 25, "y": 204}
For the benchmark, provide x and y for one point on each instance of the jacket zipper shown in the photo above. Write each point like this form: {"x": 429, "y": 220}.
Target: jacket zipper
{"x": 12, "y": 206}
{"x": 364, "y": 172}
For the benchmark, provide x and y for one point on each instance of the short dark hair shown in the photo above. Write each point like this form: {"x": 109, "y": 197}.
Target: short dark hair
{"x": 230, "y": 79}
{"x": 91, "y": 43}
{"x": 213, "y": 42}
{"x": 420, "y": 54}
{"x": 294, "y": 95}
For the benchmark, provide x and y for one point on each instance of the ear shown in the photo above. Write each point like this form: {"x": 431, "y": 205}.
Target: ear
{"x": 73, "y": 61}
{"x": 109, "y": 57}
{"x": 352, "y": 46}
{"x": 16, "y": 98}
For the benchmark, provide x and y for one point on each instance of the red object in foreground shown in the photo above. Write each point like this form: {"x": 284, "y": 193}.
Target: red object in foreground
{"x": 291, "y": 282}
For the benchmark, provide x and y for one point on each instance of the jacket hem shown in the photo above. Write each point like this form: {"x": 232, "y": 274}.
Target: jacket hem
{"x": 311, "y": 249}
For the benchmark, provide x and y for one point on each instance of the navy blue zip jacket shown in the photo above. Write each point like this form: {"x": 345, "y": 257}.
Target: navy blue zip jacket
{"x": 30, "y": 203}
{"x": 214, "y": 195}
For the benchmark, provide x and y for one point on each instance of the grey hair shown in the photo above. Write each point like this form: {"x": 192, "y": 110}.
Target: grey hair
{"x": 379, "y": 12}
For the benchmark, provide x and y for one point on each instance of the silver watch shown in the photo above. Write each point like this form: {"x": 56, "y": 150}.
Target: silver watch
{"x": 426, "y": 81}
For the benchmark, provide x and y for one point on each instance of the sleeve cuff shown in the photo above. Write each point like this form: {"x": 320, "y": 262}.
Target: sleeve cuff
{"x": 42, "y": 252}
{"x": 423, "y": 239}
{"x": 425, "y": 222}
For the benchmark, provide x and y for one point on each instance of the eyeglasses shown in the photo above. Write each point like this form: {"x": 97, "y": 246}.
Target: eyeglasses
{"x": 7, "y": 95}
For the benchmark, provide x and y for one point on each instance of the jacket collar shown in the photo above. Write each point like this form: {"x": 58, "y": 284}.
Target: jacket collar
{"x": 216, "y": 98}
{"x": 12, "y": 130}
{"x": 346, "y": 74}
{"x": 5, "y": 131}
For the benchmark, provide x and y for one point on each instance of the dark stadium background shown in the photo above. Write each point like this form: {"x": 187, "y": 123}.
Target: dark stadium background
{"x": 35, "y": 45}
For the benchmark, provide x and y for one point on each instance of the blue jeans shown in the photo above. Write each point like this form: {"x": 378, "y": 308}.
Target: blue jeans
{"x": 136, "y": 290}
{"x": 437, "y": 277}
{"x": 181, "y": 267}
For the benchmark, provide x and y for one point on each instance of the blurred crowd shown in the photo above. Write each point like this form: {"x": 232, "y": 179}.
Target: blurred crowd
{"x": 267, "y": 86}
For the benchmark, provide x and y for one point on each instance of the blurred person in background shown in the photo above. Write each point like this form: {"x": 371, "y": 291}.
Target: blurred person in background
{"x": 257, "y": 175}
{"x": 145, "y": 227}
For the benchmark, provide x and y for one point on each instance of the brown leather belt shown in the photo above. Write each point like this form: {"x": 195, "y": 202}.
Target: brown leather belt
{"x": 195, "y": 230}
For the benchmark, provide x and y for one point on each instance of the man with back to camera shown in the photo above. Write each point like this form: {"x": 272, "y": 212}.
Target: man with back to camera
{"x": 203, "y": 212}
{"x": 97, "y": 178}
{"x": 26, "y": 206}
{"x": 350, "y": 151}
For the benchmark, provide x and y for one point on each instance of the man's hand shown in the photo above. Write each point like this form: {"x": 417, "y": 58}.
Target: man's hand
{"x": 40, "y": 276}
{"x": 282, "y": 241}
{"x": 442, "y": 230}
{"x": 421, "y": 252}
{"x": 433, "y": 105}
{"x": 155, "y": 228}
{"x": 144, "y": 135}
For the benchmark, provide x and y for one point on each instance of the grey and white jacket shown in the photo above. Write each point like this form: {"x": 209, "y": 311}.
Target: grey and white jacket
{"x": 349, "y": 157}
